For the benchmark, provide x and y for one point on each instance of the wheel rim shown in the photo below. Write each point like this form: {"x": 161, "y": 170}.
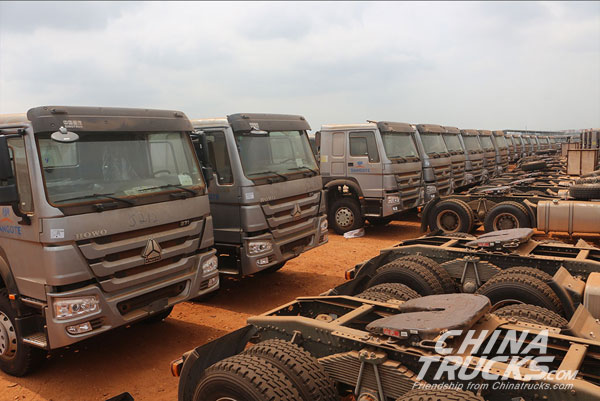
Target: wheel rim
{"x": 505, "y": 221}
{"x": 8, "y": 338}
{"x": 344, "y": 217}
{"x": 226, "y": 399}
{"x": 448, "y": 221}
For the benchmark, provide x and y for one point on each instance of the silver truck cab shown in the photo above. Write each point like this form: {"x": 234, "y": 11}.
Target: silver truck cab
{"x": 437, "y": 164}
{"x": 371, "y": 170}
{"x": 502, "y": 151}
{"x": 512, "y": 148}
{"x": 265, "y": 190}
{"x": 544, "y": 143}
{"x": 104, "y": 221}
{"x": 474, "y": 153}
{"x": 519, "y": 149}
{"x": 489, "y": 152}
{"x": 458, "y": 155}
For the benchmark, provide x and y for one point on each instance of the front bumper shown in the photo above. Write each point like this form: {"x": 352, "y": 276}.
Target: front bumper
{"x": 283, "y": 249}
{"x": 144, "y": 300}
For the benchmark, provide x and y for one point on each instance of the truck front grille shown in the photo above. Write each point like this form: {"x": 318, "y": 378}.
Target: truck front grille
{"x": 292, "y": 215}
{"x": 117, "y": 260}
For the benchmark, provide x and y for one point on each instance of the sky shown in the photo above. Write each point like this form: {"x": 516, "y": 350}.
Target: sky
{"x": 491, "y": 65}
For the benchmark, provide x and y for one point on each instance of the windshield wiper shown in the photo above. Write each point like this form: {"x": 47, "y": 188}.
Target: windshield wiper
{"x": 308, "y": 169}
{"x": 270, "y": 172}
{"x": 108, "y": 196}
{"x": 189, "y": 190}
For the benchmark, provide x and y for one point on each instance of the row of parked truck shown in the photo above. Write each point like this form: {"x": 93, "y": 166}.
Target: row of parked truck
{"x": 376, "y": 170}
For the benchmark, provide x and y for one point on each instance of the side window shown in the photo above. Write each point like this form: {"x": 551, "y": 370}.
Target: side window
{"x": 19, "y": 159}
{"x": 219, "y": 156}
{"x": 337, "y": 146}
{"x": 363, "y": 144}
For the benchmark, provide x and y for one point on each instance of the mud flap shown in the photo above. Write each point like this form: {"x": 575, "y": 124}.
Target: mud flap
{"x": 425, "y": 213}
{"x": 199, "y": 359}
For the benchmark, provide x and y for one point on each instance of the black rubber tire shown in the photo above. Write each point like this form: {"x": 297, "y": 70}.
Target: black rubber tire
{"x": 303, "y": 370}
{"x": 442, "y": 275}
{"x": 380, "y": 221}
{"x": 385, "y": 292}
{"x": 440, "y": 395}
{"x": 408, "y": 273}
{"x": 530, "y": 271}
{"x": 523, "y": 288}
{"x": 455, "y": 209}
{"x": 532, "y": 314}
{"x": 533, "y": 166}
{"x": 25, "y": 358}
{"x": 514, "y": 211}
{"x": 349, "y": 206}
{"x": 245, "y": 377}
{"x": 585, "y": 191}
{"x": 159, "y": 317}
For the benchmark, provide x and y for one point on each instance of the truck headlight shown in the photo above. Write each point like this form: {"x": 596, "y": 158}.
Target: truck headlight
{"x": 430, "y": 189}
{"x": 324, "y": 225}
{"x": 393, "y": 200}
{"x": 66, "y": 308}
{"x": 210, "y": 265}
{"x": 255, "y": 247}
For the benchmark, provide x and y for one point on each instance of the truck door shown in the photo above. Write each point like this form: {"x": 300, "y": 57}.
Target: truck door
{"x": 222, "y": 193}
{"x": 364, "y": 163}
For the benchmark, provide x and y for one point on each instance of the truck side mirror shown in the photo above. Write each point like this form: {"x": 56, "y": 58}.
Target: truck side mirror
{"x": 8, "y": 187}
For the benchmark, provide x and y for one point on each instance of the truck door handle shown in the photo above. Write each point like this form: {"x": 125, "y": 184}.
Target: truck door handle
{"x": 350, "y": 164}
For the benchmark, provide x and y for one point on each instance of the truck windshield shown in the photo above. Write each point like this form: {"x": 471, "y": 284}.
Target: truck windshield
{"x": 453, "y": 143}
{"x": 471, "y": 142}
{"x": 486, "y": 142}
{"x": 433, "y": 143}
{"x": 399, "y": 145}
{"x": 108, "y": 166}
{"x": 501, "y": 141}
{"x": 277, "y": 154}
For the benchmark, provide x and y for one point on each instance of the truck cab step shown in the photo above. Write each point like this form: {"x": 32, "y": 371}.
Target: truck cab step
{"x": 37, "y": 340}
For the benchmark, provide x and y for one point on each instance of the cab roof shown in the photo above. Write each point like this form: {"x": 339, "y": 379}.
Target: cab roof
{"x": 209, "y": 122}
{"x": 51, "y": 118}
{"x": 432, "y": 128}
{"x": 383, "y": 126}
{"x": 246, "y": 122}
{"x": 484, "y": 132}
{"x": 452, "y": 130}
{"x": 469, "y": 131}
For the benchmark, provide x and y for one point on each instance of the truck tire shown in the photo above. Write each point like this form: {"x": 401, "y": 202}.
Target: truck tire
{"x": 385, "y": 292}
{"x": 303, "y": 370}
{"x": 529, "y": 271}
{"x": 16, "y": 358}
{"x": 585, "y": 191}
{"x": 244, "y": 377}
{"x": 440, "y": 395}
{"x": 411, "y": 274}
{"x": 521, "y": 288}
{"x": 451, "y": 216}
{"x": 506, "y": 215}
{"x": 532, "y": 314}
{"x": 533, "y": 166}
{"x": 345, "y": 215}
{"x": 379, "y": 221}
{"x": 159, "y": 317}
{"x": 442, "y": 275}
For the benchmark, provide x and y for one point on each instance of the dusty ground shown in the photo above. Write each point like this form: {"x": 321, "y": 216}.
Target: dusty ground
{"x": 136, "y": 359}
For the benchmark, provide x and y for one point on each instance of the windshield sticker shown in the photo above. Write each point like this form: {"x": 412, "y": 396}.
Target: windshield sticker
{"x": 8, "y": 225}
{"x": 57, "y": 233}
{"x": 299, "y": 162}
{"x": 185, "y": 179}
{"x": 249, "y": 195}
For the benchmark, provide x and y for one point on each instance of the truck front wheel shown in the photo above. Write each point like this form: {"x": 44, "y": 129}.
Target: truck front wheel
{"x": 344, "y": 215}
{"x": 16, "y": 358}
